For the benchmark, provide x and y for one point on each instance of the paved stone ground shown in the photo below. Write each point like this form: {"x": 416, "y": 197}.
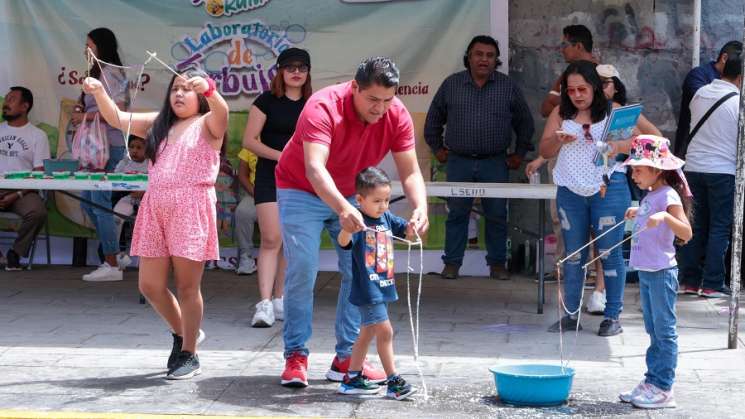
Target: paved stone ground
{"x": 67, "y": 345}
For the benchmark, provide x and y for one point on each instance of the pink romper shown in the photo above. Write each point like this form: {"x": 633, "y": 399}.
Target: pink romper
{"x": 177, "y": 216}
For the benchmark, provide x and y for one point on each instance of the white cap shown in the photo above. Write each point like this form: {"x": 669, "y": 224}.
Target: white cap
{"x": 607, "y": 71}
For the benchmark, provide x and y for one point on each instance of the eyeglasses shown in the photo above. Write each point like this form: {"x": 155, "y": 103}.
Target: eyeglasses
{"x": 291, "y": 68}
{"x": 588, "y": 134}
{"x": 583, "y": 90}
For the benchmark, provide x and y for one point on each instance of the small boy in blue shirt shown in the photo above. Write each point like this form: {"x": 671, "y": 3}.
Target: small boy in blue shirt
{"x": 373, "y": 283}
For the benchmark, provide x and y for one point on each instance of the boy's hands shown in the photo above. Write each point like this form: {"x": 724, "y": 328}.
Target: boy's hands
{"x": 631, "y": 213}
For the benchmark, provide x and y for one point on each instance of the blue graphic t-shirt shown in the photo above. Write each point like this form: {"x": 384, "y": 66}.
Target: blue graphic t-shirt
{"x": 373, "y": 279}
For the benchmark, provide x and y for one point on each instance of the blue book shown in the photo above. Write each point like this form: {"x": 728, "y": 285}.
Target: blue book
{"x": 620, "y": 126}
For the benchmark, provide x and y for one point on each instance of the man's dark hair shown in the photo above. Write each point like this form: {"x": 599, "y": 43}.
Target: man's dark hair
{"x": 481, "y": 39}
{"x": 369, "y": 179}
{"x": 26, "y": 96}
{"x": 599, "y": 107}
{"x": 733, "y": 65}
{"x": 377, "y": 70}
{"x": 731, "y": 47}
{"x": 579, "y": 34}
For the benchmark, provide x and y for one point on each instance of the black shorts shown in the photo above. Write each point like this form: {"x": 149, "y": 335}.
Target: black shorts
{"x": 265, "y": 190}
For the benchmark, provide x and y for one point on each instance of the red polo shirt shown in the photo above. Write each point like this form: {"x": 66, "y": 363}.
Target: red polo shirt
{"x": 329, "y": 118}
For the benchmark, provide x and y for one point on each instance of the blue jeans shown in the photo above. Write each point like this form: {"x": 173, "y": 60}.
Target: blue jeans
{"x": 463, "y": 169}
{"x": 103, "y": 220}
{"x": 303, "y": 217}
{"x": 703, "y": 258}
{"x": 658, "y": 295}
{"x": 577, "y": 215}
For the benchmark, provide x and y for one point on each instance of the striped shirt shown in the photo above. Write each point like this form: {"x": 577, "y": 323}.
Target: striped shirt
{"x": 479, "y": 120}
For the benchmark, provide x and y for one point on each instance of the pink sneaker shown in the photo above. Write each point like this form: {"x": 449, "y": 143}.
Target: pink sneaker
{"x": 339, "y": 369}
{"x": 628, "y": 396}
{"x": 653, "y": 397}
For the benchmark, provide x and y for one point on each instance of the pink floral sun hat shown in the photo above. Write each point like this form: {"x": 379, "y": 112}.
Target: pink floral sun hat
{"x": 652, "y": 151}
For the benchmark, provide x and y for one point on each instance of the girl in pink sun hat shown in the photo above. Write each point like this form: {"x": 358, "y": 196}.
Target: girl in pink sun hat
{"x": 661, "y": 217}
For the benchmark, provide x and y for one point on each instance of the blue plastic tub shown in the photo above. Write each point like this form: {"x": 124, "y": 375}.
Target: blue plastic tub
{"x": 533, "y": 385}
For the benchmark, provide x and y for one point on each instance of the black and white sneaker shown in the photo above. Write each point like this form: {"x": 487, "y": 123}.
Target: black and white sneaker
{"x": 178, "y": 343}
{"x": 566, "y": 324}
{"x": 187, "y": 366}
{"x": 610, "y": 327}
{"x": 13, "y": 261}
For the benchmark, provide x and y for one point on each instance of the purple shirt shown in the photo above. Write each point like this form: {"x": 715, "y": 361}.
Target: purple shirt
{"x": 652, "y": 249}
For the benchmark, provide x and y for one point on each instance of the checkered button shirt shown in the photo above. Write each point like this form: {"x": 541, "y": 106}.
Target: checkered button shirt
{"x": 479, "y": 120}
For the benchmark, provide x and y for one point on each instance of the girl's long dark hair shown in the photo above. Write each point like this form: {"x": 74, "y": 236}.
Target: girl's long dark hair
{"x": 620, "y": 95}
{"x": 599, "y": 107}
{"x": 166, "y": 117}
{"x": 672, "y": 179}
{"x": 107, "y": 49}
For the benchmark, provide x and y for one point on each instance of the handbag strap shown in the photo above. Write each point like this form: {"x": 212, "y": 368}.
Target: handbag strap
{"x": 708, "y": 114}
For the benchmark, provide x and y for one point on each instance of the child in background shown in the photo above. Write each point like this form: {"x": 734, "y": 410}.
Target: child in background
{"x": 176, "y": 226}
{"x": 136, "y": 163}
{"x": 373, "y": 283}
{"x": 226, "y": 189}
{"x": 245, "y": 212}
{"x": 661, "y": 217}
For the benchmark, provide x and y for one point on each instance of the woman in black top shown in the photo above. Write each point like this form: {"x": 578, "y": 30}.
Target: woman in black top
{"x": 271, "y": 123}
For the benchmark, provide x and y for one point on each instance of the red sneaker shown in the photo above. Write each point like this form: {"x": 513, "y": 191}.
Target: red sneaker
{"x": 690, "y": 290}
{"x": 339, "y": 369}
{"x": 710, "y": 293}
{"x": 296, "y": 371}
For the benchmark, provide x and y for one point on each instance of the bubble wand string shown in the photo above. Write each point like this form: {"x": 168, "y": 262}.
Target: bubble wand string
{"x": 414, "y": 327}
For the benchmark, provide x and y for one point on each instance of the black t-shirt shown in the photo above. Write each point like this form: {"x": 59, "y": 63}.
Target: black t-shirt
{"x": 281, "y": 117}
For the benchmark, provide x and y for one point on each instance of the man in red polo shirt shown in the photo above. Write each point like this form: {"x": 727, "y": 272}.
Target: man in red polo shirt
{"x": 343, "y": 129}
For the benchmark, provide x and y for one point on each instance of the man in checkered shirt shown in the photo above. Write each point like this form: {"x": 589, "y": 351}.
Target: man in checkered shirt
{"x": 480, "y": 108}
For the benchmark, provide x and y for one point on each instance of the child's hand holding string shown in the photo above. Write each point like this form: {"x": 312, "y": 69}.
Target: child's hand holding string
{"x": 92, "y": 86}
{"x": 198, "y": 84}
{"x": 631, "y": 213}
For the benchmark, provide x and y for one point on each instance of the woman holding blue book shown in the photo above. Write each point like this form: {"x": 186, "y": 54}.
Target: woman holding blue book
{"x": 589, "y": 197}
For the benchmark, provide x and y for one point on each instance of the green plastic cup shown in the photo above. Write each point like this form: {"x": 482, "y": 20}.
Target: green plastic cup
{"x": 81, "y": 175}
{"x": 37, "y": 175}
{"x": 61, "y": 175}
{"x": 114, "y": 176}
{"x": 97, "y": 176}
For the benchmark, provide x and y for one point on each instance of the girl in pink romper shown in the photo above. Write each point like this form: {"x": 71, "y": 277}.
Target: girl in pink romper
{"x": 176, "y": 224}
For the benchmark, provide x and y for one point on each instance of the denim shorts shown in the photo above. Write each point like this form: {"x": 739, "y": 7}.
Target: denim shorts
{"x": 373, "y": 313}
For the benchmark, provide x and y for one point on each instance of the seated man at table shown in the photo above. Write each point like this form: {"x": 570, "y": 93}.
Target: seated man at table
{"x": 23, "y": 147}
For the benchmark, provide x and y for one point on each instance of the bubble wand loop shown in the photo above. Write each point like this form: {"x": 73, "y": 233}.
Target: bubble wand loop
{"x": 578, "y": 312}
{"x": 154, "y": 56}
{"x": 561, "y": 262}
{"x": 138, "y": 85}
